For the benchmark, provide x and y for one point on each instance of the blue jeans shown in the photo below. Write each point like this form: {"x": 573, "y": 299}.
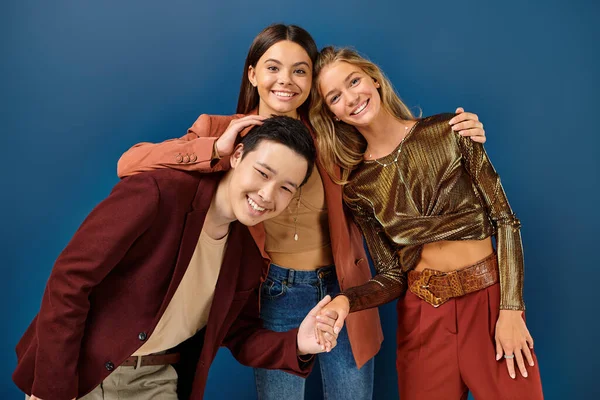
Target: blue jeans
{"x": 287, "y": 296}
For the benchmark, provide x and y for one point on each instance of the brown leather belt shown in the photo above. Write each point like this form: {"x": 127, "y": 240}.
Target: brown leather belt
{"x": 151, "y": 359}
{"x": 436, "y": 287}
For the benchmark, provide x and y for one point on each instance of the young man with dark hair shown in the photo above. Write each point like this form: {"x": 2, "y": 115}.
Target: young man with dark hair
{"x": 166, "y": 263}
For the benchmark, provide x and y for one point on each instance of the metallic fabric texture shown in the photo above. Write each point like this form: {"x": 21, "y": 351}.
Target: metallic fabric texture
{"x": 436, "y": 185}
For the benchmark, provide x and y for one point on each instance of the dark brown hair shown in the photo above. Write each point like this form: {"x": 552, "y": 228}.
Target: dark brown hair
{"x": 248, "y": 98}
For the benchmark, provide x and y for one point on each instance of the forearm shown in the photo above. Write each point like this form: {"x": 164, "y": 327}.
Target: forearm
{"x": 510, "y": 263}
{"x": 181, "y": 154}
{"x": 257, "y": 347}
{"x": 262, "y": 348}
{"x": 508, "y": 236}
{"x": 376, "y": 292}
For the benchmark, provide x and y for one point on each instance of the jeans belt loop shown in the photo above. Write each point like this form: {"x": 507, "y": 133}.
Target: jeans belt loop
{"x": 290, "y": 277}
{"x": 138, "y": 362}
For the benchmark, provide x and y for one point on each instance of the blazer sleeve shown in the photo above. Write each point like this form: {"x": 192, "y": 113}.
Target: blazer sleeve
{"x": 191, "y": 152}
{"x": 96, "y": 248}
{"x": 256, "y": 347}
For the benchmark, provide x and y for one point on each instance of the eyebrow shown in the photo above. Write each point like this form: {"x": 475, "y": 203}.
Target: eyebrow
{"x": 345, "y": 80}
{"x": 293, "y": 65}
{"x": 275, "y": 173}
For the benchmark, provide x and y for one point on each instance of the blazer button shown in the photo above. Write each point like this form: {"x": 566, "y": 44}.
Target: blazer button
{"x": 179, "y": 158}
{"x": 142, "y": 336}
{"x": 186, "y": 159}
{"x": 109, "y": 366}
{"x": 193, "y": 158}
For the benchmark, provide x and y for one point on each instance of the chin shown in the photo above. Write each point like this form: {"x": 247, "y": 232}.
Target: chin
{"x": 250, "y": 220}
{"x": 286, "y": 108}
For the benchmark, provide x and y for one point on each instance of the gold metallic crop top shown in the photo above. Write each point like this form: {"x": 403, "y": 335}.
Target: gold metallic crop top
{"x": 442, "y": 187}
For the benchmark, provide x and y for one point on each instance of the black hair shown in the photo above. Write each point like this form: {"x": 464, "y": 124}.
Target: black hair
{"x": 287, "y": 131}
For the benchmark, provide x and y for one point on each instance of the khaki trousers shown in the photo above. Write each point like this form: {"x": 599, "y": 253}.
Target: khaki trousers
{"x": 142, "y": 383}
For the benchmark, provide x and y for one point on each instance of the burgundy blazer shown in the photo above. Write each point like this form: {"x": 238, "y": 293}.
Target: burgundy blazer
{"x": 114, "y": 280}
{"x": 194, "y": 152}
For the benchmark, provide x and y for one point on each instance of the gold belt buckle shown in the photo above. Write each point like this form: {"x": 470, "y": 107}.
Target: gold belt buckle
{"x": 422, "y": 288}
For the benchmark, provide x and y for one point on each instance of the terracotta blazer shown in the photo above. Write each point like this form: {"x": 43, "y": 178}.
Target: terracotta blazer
{"x": 193, "y": 152}
{"x": 114, "y": 280}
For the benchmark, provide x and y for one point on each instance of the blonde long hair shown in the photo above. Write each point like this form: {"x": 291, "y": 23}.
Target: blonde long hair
{"x": 339, "y": 143}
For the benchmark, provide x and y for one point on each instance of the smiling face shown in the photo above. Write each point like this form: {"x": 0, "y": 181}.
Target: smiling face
{"x": 264, "y": 180}
{"x": 283, "y": 76}
{"x": 350, "y": 94}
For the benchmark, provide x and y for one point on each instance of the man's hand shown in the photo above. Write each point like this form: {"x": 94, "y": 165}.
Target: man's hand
{"x": 467, "y": 124}
{"x": 307, "y": 340}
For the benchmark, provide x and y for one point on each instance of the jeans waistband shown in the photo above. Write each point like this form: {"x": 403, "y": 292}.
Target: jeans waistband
{"x": 292, "y": 276}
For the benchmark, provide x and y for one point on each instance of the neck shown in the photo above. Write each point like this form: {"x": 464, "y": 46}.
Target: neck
{"x": 220, "y": 214}
{"x": 265, "y": 111}
{"x": 383, "y": 134}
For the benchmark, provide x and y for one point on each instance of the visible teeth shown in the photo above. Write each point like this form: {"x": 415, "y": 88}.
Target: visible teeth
{"x": 254, "y": 205}
{"x": 360, "y": 108}
{"x": 284, "y": 94}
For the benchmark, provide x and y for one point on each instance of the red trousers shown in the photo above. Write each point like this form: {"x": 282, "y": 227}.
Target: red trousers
{"x": 445, "y": 352}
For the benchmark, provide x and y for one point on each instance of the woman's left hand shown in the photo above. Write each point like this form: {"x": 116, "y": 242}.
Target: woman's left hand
{"x": 333, "y": 313}
{"x": 513, "y": 341}
{"x": 467, "y": 124}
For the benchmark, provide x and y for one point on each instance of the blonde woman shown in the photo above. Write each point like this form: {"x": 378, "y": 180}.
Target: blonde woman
{"x": 428, "y": 202}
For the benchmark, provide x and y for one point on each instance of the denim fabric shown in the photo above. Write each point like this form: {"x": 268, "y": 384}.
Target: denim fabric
{"x": 286, "y": 297}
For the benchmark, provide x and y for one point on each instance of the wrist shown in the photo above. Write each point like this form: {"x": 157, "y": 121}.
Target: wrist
{"x": 344, "y": 300}
{"x": 302, "y": 354}
{"x": 511, "y": 313}
{"x": 216, "y": 154}
{"x": 299, "y": 351}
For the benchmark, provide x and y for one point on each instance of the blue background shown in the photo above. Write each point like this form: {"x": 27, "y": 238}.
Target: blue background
{"x": 82, "y": 81}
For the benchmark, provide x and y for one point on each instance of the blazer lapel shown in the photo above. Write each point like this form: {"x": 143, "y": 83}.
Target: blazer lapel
{"x": 335, "y": 212}
{"x": 226, "y": 284}
{"x": 193, "y": 223}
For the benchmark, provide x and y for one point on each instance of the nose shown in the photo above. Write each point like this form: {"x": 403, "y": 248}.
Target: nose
{"x": 284, "y": 78}
{"x": 267, "y": 192}
{"x": 352, "y": 99}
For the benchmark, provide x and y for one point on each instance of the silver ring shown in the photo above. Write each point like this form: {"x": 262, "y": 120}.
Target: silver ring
{"x": 509, "y": 356}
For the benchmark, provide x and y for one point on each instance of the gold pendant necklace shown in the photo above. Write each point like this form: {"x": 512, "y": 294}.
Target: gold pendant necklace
{"x": 397, "y": 152}
{"x": 296, "y": 216}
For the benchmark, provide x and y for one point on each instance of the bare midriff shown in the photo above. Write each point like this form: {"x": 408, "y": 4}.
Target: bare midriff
{"x": 448, "y": 255}
{"x": 309, "y": 260}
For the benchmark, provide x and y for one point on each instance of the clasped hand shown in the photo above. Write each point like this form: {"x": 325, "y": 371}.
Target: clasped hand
{"x": 332, "y": 315}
